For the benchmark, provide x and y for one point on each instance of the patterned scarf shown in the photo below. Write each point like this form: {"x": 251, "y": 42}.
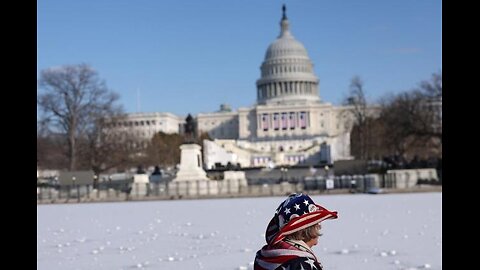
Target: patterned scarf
{"x": 286, "y": 255}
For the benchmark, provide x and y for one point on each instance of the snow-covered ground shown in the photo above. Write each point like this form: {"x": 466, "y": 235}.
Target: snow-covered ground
{"x": 383, "y": 231}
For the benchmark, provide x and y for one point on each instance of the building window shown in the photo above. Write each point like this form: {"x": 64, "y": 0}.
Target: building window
{"x": 276, "y": 122}
{"x": 265, "y": 122}
{"x": 291, "y": 120}
{"x": 303, "y": 120}
{"x": 284, "y": 121}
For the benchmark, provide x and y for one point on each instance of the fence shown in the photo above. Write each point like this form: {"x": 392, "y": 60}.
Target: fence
{"x": 111, "y": 191}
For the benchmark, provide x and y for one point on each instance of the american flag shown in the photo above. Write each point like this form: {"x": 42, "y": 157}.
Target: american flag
{"x": 284, "y": 121}
{"x": 265, "y": 121}
{"x": 292, "y": 120}
{"x": 297, "y": 212}
{"x": 303, "y": 120}
{"x": 285, "y": 256}
{"x": 276, "y": 122}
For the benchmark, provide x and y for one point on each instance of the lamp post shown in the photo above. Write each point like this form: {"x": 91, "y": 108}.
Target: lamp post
{"x": 73, "y": 181}
{"x": 75, "y": 187}
{"x": 95, "y": 181}
{"x": 284, "y": 175}
{"x": 326, "y": 171}
{"x": 328, "y": 181}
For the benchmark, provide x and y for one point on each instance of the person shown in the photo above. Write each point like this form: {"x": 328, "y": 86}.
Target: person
{"x": 157, "y": 171}
{"x": 291, "y": 234}
{"x": 140, "y": 170}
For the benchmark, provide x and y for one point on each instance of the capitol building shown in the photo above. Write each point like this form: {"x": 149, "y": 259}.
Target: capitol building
{"x": 288, "y": 125}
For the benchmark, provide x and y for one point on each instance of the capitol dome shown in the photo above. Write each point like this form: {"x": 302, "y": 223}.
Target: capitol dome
{"x": 287, "y": 71}
{"x": 286, "y": 46}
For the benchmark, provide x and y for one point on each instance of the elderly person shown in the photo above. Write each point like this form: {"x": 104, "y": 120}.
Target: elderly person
{"x": 291, "y": 234}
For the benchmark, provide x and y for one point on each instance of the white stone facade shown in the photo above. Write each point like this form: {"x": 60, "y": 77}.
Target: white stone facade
{"x": 289, "y": 123}
{"x": 216, "y": 153}
{"x": 221, "y": 125}
{"x": 145, "y": 125}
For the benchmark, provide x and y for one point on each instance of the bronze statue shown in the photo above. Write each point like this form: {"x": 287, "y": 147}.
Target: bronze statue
{"x": 189, "y": 128}
{"x": 284, "y": 9}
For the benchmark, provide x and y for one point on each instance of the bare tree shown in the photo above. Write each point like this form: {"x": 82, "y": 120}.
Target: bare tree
{"x": 412, "y": 119}
{"x": 429, "y": 118}
{"x": 433, "y": 88}
{"x": 376, "y": 141}
{"x": 71, "y": 100}
{"x": 51, "y": 151}
{"x": 398, "y": 112}
{"x": 105, "y": 147}
{"x": 357, "y": 101}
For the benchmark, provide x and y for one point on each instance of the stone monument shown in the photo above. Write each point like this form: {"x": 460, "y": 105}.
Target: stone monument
{"x": 140, "y": 182}
{"x": 190, "y": 164}
{"x": 191, "y": 179}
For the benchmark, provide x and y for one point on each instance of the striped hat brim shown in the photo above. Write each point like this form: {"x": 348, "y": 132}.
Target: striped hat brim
{"x": 302, "y": 222}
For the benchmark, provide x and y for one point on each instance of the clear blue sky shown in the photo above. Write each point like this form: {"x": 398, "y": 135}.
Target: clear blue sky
{"x": 191, "y": 56}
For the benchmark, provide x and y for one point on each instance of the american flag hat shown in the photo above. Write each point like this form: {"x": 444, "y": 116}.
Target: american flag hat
{"x": 297, "y": 212}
